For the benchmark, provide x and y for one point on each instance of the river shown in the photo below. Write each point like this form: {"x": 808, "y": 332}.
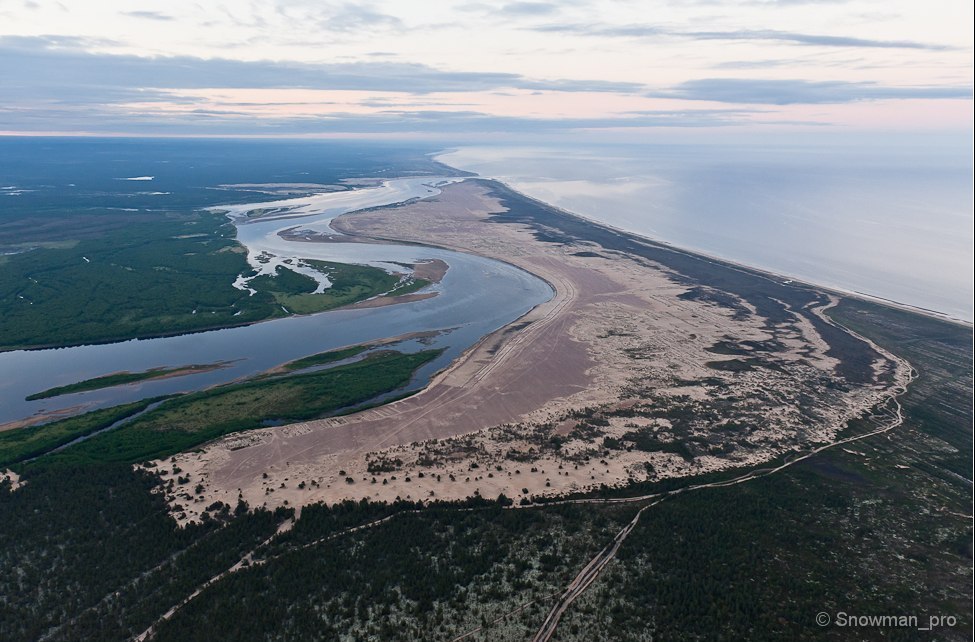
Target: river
{"x": 476, "y": 297}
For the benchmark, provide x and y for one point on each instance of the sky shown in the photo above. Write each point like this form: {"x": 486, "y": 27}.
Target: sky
{"x": 468, "y": 71}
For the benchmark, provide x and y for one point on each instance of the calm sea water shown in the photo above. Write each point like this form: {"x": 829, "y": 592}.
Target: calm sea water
{"x": 894, "y": 223}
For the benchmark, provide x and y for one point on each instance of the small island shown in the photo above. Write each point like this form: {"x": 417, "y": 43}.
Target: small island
{"x": 124, "y": 378}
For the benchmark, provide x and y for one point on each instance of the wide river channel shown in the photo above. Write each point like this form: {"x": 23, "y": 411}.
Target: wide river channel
{"x": 476, "y": 297}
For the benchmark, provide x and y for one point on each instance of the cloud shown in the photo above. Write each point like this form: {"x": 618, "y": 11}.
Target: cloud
{"x": 791, "y": 92}
{"x": 50, "y": 64}
{"x": 511, "y": 8}
{"x": 357, "y": 17}
{"x": 652, "y": 31}
{"x": 758, "y": 64}
{"x": 530, "y": 8}
{"x": 626, "y": 31}
{"x": 53, "y": 83}
{"x": 813, "y": 40}
{"x": 768, "y": 3}
{"x": 148, "y": 15}
{"x": 19, "y": 45}
{"x": 430, "y": 123}
{"x": 819, "y": 62}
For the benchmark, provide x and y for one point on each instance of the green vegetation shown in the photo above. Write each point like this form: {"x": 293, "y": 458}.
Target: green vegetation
{"x": 285, "y": 282}
{"x": 876, "y": 527}
{"x": 431, "y": 575}
{"x": 879, "y": 529}
{"x": 323, "y": 358}
{"x": 24, "y": 443}
{"x": 350, "y": 283}
{"x": 647, "y": 442}
{"x": 192, "y": 419}
{"x": 74, "y": 535}
{"x": 758, "y": 561}
{"x": 940, "y": 399}
{"x": 152, "y": 279}
{"x": 153, "y": 256}
{"x": 880, "y": 526}
{"x": 118, "y": 379}
{"x": 164, "y": 276}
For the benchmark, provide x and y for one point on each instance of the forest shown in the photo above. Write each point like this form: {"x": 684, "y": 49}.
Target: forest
{"x": 160, "y": 278}
{"x": 89, "y": 258}
{"x": 876, "y": 527}
{"x": 89, "y": 550}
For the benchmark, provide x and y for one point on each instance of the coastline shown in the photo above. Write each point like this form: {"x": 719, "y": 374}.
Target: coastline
{"x": 692, "y": 251}
{"x": 626, "y": 280}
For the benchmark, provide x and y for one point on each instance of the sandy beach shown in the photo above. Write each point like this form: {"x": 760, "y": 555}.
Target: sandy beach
{"x": 563, "y": 400}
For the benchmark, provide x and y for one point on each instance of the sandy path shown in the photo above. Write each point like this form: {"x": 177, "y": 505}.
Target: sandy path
{"x": 246, "y": 561}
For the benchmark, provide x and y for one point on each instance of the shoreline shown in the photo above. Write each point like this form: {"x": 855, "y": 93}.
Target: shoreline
{"x": 480, "y": 400}
{"x": 772, "y": 276}
{"x": 423, "y": 266}
{"x": 769, "y": 272}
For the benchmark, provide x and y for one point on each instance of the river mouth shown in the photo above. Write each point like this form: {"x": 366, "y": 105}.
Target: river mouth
{"x": 476, "y": 296}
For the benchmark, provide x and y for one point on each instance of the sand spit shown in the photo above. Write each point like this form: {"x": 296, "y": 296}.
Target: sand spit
{"x": 44, "y": 416}
{"x": 433, "y": 270}
{"x": 627, "y": 373}
{"x": 382, "y": 301}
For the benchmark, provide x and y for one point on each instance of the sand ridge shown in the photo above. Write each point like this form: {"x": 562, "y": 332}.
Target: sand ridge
{"x": 600, "y": 385}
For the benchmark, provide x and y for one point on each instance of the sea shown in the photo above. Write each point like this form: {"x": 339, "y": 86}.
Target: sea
{"x": 892, "y": 221}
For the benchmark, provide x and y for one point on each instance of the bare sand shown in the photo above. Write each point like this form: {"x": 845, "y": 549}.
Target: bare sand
{"x": 552, "y": 403}
{"x": 433, "y": 270}
{"x": 43, "y": 417}
{"x": 13, "y": 478}
{"x": 382, "y": 301}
